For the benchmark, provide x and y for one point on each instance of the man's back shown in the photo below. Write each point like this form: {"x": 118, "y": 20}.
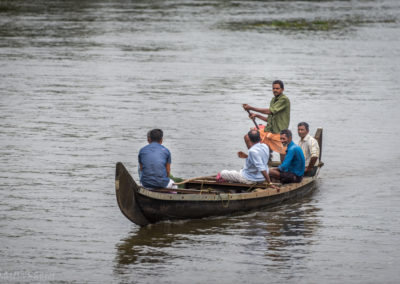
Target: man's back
{"x": 153, "y": 158}
{"x": 256, "y": 162}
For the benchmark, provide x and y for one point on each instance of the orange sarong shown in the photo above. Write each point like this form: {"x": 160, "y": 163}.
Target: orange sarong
{"x": 273, "y": 141}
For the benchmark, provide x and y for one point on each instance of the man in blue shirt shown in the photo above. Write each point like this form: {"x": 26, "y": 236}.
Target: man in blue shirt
{"x": 292, "y": 168}
{"x": 155, "y": 162}
{"x": 256, "y": 166}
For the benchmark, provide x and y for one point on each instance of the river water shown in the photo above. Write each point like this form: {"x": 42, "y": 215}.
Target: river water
{"x": 83, "y": 81}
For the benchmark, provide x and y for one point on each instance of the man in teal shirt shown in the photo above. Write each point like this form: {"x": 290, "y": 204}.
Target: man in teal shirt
{"x": 292, "y": 168}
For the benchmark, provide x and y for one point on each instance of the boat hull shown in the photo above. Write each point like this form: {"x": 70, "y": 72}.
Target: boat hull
{"x": 156, "y": 210}
{"x": 143, "y": 206}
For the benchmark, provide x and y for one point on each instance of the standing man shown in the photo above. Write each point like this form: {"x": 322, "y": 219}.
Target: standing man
{"x": 256, "y": 165}
{"x": 155, "y": 162}
{"x": 292, "y": 168}
{"x": 277, "y": 120}
{"x": 310, "y": 148}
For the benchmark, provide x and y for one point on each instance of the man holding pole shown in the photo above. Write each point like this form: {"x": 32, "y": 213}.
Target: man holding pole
{"x": 278, "y": 117}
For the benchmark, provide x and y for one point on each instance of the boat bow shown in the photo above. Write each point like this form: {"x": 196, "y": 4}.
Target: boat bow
{"x": 126, "y": 190}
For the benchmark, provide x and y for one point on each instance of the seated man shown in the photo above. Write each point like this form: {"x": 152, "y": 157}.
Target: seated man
{"x": 292, "y": 168}
{"x": 155, "y": 162}
{"x": 310, "y": 148}
{"x": 256, "y": 166}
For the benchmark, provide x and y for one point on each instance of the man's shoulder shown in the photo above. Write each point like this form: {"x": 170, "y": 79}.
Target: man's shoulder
{"x": 313, "y": 139}
{"x": 293, "y": 146}
{"x": 284, "y": 97}
{"x": 161, "y": 147}
{"x": 144, "y": 148}
{"x": 297, "y": 150}
{"x": 307, "y": 139}
{"x": 259, "y": 147}
{"x": 154, "y": 147}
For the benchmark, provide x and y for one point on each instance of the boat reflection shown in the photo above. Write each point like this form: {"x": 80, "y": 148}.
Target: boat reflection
{"x": 151, "y": 243}
{"x": 290, "y": 229}
{"x": 280, "y": 231}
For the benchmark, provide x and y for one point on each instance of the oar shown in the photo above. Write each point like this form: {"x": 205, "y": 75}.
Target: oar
{"x": 192, "y": 179}
{"x": 253, "y": 119}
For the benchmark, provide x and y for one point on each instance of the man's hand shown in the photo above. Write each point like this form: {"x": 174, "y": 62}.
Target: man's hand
{"x": 242, "y": 155}
{"x": 270, "y": 185}
{"x": 246, "y": 107}
{"x": 275, "y": 187}
{"x": 252, "y": 115}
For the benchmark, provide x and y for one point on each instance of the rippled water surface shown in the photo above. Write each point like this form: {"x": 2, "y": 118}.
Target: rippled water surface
{"x": 81, "y": 83}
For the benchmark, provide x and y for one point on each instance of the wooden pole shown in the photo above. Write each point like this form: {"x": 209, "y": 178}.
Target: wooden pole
{"x": 254, "y": 120}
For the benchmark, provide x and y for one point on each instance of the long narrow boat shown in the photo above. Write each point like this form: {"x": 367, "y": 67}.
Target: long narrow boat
{"x": 202, "y": 197}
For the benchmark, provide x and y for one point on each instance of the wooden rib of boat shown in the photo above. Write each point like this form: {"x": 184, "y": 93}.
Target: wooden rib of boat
{"x": 201, "y": 197}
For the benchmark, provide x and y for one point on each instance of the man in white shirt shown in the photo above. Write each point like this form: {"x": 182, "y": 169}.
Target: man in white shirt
{"x": 310, "y": 148}
{"x": 256, "y": 166}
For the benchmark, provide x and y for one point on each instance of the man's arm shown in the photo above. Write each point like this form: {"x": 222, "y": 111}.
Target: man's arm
{"x": 253, "y": 115}
{"x": 257, "y": 109}
{"x": 280, "y": 105}
{"x": 314, "y": 150}
{"x": 266, "y": 176}
{"x": 288, "y": 159}
{"x": 311, "y": 164}
{"x": 258, "y": 163}
{"x": 242, "y": 155}
{"x": 168, "y": 168}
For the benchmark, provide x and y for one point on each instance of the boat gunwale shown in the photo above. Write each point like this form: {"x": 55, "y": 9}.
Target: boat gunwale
{"x": 216, "y": 196}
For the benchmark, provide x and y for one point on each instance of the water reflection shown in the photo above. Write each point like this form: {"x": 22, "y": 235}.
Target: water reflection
{"x": 281, "y": 232}
{"x": 292, "y": 227}
{"x": 147, "y": 243}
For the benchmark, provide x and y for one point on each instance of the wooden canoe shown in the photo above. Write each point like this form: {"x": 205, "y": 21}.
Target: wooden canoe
{"x": 201, "y": 197}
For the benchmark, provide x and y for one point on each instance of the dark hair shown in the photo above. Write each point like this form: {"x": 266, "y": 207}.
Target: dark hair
{"x": 278, "y": 82}
{"x": 155, "y": 135}
{"x": 305, "y": 124}
{"x": 254, "y": 136}
{"x": 287, "y": 132}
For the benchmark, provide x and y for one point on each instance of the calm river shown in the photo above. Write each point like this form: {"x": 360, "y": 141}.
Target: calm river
{"x": 81, "y": 83}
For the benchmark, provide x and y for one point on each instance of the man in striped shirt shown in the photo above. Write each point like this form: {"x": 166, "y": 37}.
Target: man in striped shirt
{"x": 310, "y": 148}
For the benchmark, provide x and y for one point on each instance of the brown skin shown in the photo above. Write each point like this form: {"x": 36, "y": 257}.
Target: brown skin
{"x": 275, "y": 173}
{"x": 277, "y": 90}
{"x": 167, "y": 166}
{"x": 243, "y": 155}
{"x": 302, "y": 131}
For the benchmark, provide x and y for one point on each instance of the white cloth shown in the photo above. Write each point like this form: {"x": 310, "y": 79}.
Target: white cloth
{"x": 234, "y": 176}
{"x": 171, "y": 184}
{"x": 310, "y": 149}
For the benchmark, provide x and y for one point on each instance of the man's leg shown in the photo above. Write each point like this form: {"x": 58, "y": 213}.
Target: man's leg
{"x": 234, "y": 176}
{"x": 275, "y": 175}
